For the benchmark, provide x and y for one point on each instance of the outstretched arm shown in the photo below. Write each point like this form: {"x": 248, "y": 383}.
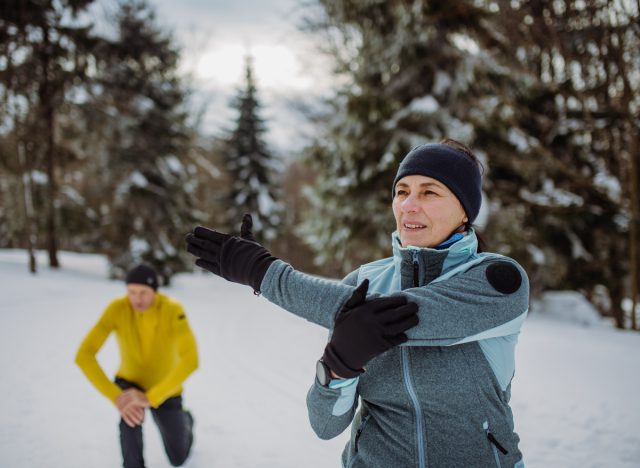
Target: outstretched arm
{"x": 310, "y": 297}
{"x": 241, "y": 259}
{"x": 466, "y": 307}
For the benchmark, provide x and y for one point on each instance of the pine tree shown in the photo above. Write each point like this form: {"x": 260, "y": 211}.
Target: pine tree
{"x": 250, "y": 165}
{"x": 414, "y": 74}
{"x": 143, "y": 101}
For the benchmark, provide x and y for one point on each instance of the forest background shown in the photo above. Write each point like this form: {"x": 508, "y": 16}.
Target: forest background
{"x": 104, "y": 148}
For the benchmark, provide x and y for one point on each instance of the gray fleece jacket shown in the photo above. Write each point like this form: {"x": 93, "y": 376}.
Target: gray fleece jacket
{"x": 442, "y": 399}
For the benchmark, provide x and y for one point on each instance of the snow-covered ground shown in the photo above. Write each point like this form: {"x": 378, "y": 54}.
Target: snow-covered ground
{"x": 576, "y": 394}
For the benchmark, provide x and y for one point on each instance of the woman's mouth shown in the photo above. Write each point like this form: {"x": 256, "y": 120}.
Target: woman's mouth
{"x": 414, "y": 227}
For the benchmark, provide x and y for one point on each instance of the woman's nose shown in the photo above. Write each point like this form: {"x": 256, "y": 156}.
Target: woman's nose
{"x": 409, "y": 204}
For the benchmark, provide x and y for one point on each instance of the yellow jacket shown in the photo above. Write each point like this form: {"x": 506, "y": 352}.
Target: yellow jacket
{"x": 157, "y": 348}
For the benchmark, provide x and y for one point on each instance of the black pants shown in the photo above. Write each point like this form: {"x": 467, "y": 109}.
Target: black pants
{"x": 175, "y": 427}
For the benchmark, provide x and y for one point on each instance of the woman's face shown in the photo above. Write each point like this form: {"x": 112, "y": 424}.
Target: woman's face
{"x": 426, "y": 211}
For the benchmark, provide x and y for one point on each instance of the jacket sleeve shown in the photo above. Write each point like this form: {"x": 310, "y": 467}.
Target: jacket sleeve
{"x": 472, "y": 306}
{"x": 185, "y": 344}
{"x": 331, "y": 409}
{"x": 315, "y": 299}
{"x": 465, "y": 307}
{"x": 86, "y": 355}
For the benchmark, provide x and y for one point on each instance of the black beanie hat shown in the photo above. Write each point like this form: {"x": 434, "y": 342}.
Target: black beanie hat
{"x": 451, "y": 167}
{"x": 143, "y": 274}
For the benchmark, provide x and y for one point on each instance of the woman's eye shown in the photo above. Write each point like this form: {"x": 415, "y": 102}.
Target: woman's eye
{"x": 401, "y": 193}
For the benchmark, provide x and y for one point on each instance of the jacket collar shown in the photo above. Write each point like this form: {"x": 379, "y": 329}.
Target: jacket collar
{"x": 418, "y": 266}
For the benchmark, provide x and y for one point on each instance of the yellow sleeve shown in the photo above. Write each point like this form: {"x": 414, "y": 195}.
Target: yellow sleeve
{"x": 86, "y": 355}
{"x": 187, "y": 362}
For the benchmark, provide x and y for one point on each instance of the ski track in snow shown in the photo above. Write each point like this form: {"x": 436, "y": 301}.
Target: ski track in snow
{"x": 575, "y": 396}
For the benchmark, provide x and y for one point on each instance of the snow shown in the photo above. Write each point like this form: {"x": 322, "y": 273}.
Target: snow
{"x": 609, "y": 184}
{"x": 550, "y": 195}
{"x": 385, "y": 161}
{"x": 266, "y": 204}
{"x": 465, "y": 43}
{"x": 39, "y": 177}
{"x": 441, "y": 83}
{"x": 457, "y": 129}
{"x": 72, "y": 194}
{"x": 574, "y": 396}
{"x": 139, "y": 247}
{"x": 174, "y": 164}
{"x": 518, "y": 139}
{"x": 483, "y": 215}
{"x": 424, "y": 105}
{"x": 207, "y": 165}
{"x": 569, "y": 306}
{"x": 136, "y": 179}
{"x": 537, "y": 254}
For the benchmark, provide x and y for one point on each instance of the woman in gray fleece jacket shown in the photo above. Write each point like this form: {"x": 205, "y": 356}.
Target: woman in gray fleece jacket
{"x": 435, "y": 392}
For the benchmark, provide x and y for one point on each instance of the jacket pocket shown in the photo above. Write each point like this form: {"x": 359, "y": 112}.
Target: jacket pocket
{"x": 496, "y": 446}
{"x": 359, "y": 423}
{"x": 364, "y": 422}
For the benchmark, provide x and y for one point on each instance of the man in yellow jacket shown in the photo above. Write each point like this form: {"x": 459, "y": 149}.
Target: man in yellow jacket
{"x": 157, "y": 353}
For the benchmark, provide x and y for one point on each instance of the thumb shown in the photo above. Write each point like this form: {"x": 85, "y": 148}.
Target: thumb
{"x": 358, "y": 296}
{"x": 246, "y": 228}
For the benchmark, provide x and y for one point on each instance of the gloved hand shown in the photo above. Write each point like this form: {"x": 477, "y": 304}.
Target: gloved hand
{"x": 365, "y": 329}
{"x": 239, "y": 259}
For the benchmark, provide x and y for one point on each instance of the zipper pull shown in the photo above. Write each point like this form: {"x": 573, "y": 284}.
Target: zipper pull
{"x": 495, "y": 442}
{"x": 416, "y": 270}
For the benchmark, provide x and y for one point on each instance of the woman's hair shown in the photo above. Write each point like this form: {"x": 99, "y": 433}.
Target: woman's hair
{"x": 482, "y": 244}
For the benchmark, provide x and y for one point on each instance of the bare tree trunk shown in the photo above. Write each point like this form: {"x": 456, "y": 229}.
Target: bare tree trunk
{"x": 46, "y": 101}
{"x": 616, "y": 288}
{"x": 25, "y": 178}
{"x": 633, "y": 234}
{"x": 29, "y": 229}
{"x": 630, "y": 141}
{"x": 52, "y": 246}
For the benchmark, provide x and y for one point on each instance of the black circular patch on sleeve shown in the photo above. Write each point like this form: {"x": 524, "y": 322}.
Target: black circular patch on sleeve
{"x": 504, "y": 277}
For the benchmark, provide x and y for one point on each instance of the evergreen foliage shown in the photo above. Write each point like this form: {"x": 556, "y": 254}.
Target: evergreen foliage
{"x": 45, "y": 51}
{"x": 532, "y": 86}
{"x": 250, "y": 165}
{"x": 147, "y": 139}
{"x": 116, "y": 117}
{"x": 95, "y": 132}
{"x": 413, "y": 75}
{"x": 577, "y": 121}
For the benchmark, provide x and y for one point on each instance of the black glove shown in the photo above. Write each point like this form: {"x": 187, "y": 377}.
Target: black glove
{"x": 365, "y": 329}
{"x": 239, "y": 259}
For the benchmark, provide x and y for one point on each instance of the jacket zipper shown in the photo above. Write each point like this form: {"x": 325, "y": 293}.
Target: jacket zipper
{"x": 416, "y": 406}
{"x": 359, "y": 432}
{"x": 495, "y": 445}
{"x": 409, "y": 383}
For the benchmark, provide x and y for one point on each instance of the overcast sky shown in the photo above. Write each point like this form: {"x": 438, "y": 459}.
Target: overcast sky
{"x": 215, "y": 37}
